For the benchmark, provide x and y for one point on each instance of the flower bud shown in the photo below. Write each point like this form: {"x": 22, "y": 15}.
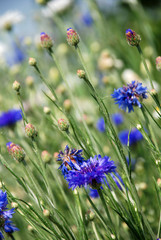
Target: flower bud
{"x": 46, "y": 213}
{"x": 14, "y": 205}
{"x": 46, "y": 156}
{"x": 158, "y": 63}
{"x": 63, "y": 124}
{"x": 16, "y": 86}
{"x": 29, "y": 81}
{"x": 46, "y": 41}
{"x": 90, "y": 215}
{"x": 32, "y": 61}
{"x": 15, "y": 151}
{"x": 55, "y": 155}
{"x": 132, "y": 37}
{"x": 47, "y": 110}
{"x": 30, "y": 229}
{"x": 30, "y": 130}
{"x": 72, "y": 37}
{"x": 159, "y": 182}
{"x": 81, "y": 73}
{"x": 67, "y": 105}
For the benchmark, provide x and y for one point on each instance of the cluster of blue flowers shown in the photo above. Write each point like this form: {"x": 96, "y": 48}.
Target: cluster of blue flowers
{"x": 131, "y": 95}
{"x": 79, "y": 172}
{"x": 10, "y": 117}
{"x": 134, "y": 136}
{"x": 5, "y": 216}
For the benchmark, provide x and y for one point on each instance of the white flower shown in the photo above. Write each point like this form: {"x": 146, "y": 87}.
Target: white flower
{"x": 9, "y": 19}
{"x": 56, "y": 6}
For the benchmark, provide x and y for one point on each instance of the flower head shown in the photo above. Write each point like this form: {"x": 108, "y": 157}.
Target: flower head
{"x": 10, "y": 118}
{"x": 46, "y": 41}
{"x": 5, "y": 216}
{"x": 15, "y": 151}
{"x": 101, "y": 124}
{"x": 134, "y": 137}
{"x": 72, "y": 37}
{"x": 117, "y": 118}
{"x": 70, "y": 159}
{"x": 132, "y": 37}
{"x": 92, "y": 172}
{"x": 130, "y": 95}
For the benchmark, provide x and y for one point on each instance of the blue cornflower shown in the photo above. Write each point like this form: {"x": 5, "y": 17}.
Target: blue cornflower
{"x": 11, "y": 117}
{"x": 92, "y": 172}
{"x": 117, "y": 118}
{"x": 5, "y": 216}
{"x": 93, "y": 193}
{"x": 134, "y": 137}
{"x": 130, "y": 95}
{"x": 100, "y": 124}
{"x": 87, "y": 19}
{"x": 70, "y": 159}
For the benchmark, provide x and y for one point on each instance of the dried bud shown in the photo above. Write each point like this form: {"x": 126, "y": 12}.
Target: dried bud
{"x": 46, "y": 41}
{"x": 16, "y": 86}
{"x": 32, "y": 62}
{"x": 67, "y": 105}
{"x": 30, "y": 130}
{"x": 46, "y": 213}
{"x": 29, "y": 81}
{"x": 46, "y": 156}
{"x": 47, "y": 110}
{"x": 15, "y": 151}
{"x": 158, "y": 63}
{"x": 72, "y": 37}
{"x": 132, "y": 37}
{"x": 81, "y": 73}
{"x": 63, "y": 124}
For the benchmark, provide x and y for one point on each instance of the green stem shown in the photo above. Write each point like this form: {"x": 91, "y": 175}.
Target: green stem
{"x": 95, "y": 231}
{"x": 22, "y": 108}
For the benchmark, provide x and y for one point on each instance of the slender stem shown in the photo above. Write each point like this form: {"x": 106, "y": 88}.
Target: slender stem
{"x": 22, "y": 108}
{"x": 95, "y": 231}
{"x": 145, "y": 65}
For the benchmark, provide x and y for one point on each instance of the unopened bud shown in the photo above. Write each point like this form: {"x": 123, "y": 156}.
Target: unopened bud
{"x": 32, "y": 62}
{"x": 158, "y": 63}
{"x": 138, "y": 126}
{"x": 63, "y": 124}
{"x": 46, "y": 156}
{"x": 46, "y": 213}
{"x": 15, "y": 151}
{"x": 81, "y": 73}
{"x": 30, "y": 130}
{"x": 16, "y": 86}
{"x": 132, "y": 37}
{"x": 72, "y": 37}
{"x": 29, "y": 81}
{"x": 46, "y": 41}
{"x": 67, "y": 105}
{"x": 47, "y": 110}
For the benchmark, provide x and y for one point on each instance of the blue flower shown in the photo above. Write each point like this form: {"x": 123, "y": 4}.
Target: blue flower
{"x": 9, "y": 118}
{"x": 93, "y": 193}
{"x": 100, "y": 124}
{"x": 116, "y": 180}
{"x": 117, "y": 118}
{"x": 92, "y": 172}
{"x": 87, "y": 19}
{"x": 134, "y": 137}
{"x": 70, "y": 159}
{"x": 6, "y": 224}
{"x": 130, "y": 95}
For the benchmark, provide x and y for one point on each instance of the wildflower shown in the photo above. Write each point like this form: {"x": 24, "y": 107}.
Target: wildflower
{"x": 93, "y": 193}
{"x": 15, "y": 151}
{"x": 92, "y": 172}
{"x": 10, "y": 118}
{"x": 46, "y": 156}
{"x": 87, "y": 19}
{"x": 72, "y": 37}
{"x": 63, "y": 124}
{"x": 46, "y": 41}
{"x": 30, "y": 130}
{"x": 70, "y": 159}
{"x": 5, "y": 216}
{"x": 9, "y": 19}
{"x": 101, "y": 124}
{"x": 158, "y": 63}
{"x": 134, "y": 136}
{"x": 130, "y": 95}
{"x": 117, "y": 118}
{"x": 132, "y": 37}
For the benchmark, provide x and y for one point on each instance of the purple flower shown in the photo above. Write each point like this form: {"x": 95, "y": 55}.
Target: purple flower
{"x": 70, "y": 159}
{"x": 92, "y": 172}
{"x": 130, "y": 95}
{"x": 6, "y": 224}
{"x": 10, "y": 118}
{"x": 101, "y": 124}
{"x": 134, "y": 137}
{"x": 117, "y": 118}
